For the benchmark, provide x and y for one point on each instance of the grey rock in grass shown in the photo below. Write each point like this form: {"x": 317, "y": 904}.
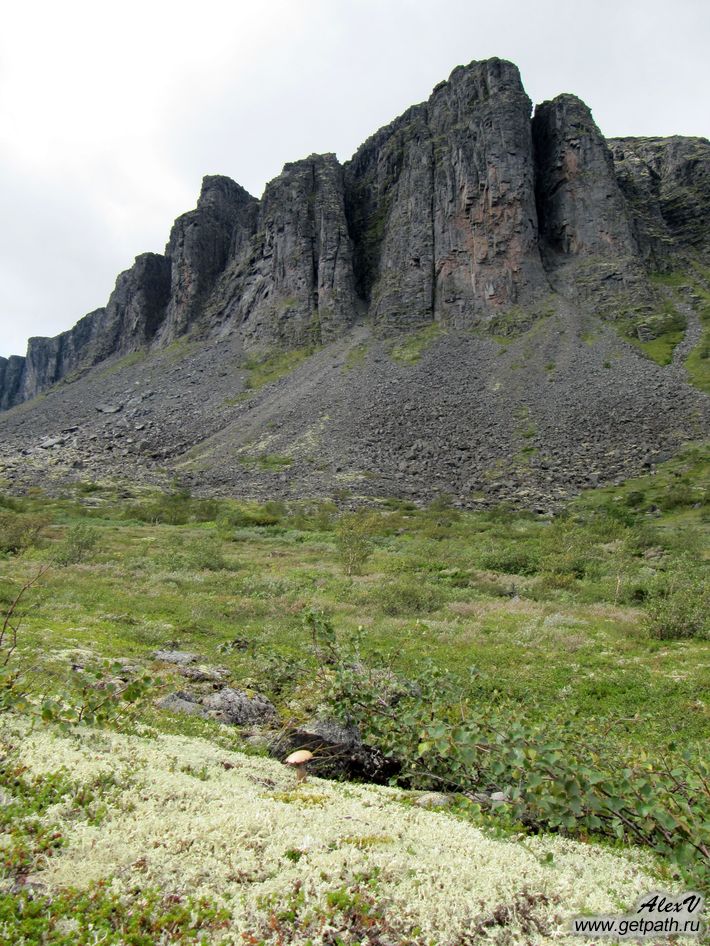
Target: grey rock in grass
{"x": 434, "y": 800}
{"x": 237, "y": 708}
{"x": 182, "y": 702}
{"x": 181, "y": 657}
{"x": 202, "y": 674}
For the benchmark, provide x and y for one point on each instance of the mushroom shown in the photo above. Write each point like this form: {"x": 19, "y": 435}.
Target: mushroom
{"x": 298, "y": 760}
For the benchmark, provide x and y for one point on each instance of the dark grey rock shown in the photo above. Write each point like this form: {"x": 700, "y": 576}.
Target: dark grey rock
{"x": 461, "y": 213}
{"x": 339, "y": 751}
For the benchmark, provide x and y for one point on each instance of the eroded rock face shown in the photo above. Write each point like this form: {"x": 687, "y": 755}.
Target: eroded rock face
{"x": 127, "y": 323}
{"x": 581, "y": 210}
{"x": 294, "y": 285}
{"x": 442, "y": 204}
{"x": 200, "y": 244}
{"x": 587, "y": 242}
{"x": 666, "y": 185}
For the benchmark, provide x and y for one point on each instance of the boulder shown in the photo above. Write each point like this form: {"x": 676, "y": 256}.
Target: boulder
{"x": 202, "y": 674}
{"x": 180, "y": 657}
{"x": 181, "y": 702}
{"x": 434, "y": 800}
{"x": 237, "y": 708}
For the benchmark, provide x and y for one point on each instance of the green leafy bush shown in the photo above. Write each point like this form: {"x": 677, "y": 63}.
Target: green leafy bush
{"x": 175, "y": 508}
{"x": 408, "y": 596}
{"x": 511, "y": 559}
{"x": 551, "y": 779}
{"x": 77, "y": 545}
{"x": 678, "y": 603}
{"x": 20, "y": 531}
{"x": 353, "y": 537}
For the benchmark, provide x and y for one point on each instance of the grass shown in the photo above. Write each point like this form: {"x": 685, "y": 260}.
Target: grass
{"x": 128, "y": 361}
{"x": 667, "y": 326}
{"x": 410, "y": 350}
{"x": 549, "y": 613}
{"x": 698, "y": 361}
{"x": 696, "y": 280}
{"x": 355, "y": 357}
{"x": 274, "y": 366}
{"x": 539, "y": 617}
{"x": 661, "y": 348}
{"x": 267, "y": 461}
{"x": 134, "y": 848}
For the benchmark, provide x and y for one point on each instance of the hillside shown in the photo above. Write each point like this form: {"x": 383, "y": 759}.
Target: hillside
{"x": 483, "y": 301}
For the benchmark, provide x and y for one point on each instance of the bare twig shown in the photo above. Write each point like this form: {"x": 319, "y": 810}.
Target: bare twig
{"x": 12, "y": 620}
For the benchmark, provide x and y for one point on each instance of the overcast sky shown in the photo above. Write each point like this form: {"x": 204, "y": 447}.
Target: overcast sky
{"x": 111, "y": 112}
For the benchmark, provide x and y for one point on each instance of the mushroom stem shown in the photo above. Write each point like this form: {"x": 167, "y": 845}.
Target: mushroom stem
{"x": 301, "y": 774}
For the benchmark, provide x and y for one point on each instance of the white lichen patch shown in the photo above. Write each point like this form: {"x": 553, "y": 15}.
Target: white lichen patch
{"x": 245, "y": 837}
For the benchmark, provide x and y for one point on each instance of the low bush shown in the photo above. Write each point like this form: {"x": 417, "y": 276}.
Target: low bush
{"x": 511, "y": 559}
{"x": 407, "y": 596}
{"x": 552, "y": 779}
{"x": 353, "y": 538}
{"x": 678, "y": 603}
{"x": 20, "y": 531}
{"x": 77, "y": 546}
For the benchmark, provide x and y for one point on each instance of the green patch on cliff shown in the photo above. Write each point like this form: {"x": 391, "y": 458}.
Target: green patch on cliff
{"x": 698, "y": 361}
{"x": 657, "y": 333}
{"x": 272, "y": 462}
{"x": 518, "y": 320}
{"x": 691, "y": 286}
{"x": 410, "y": 349}
{"x": 128, "y": 361}
{"x": 264, "y": 370}
{"x": 355, "y": 358}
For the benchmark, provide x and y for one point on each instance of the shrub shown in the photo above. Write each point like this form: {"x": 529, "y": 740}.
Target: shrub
{"x": 511, "y": 560}
{"x": 245, "y": 518}
{"x": 679, "y": 604}
{"x": 19, "y": 532}
{"x": 175, "y": 508}
{"x": 553, "y": 780}
{"x": 677, "y": 495}
{"x": 408, "y": 596}
{"x": 353, "y": 538}
{"x": 206, "y": 553}
{"x": 77, "y": 546}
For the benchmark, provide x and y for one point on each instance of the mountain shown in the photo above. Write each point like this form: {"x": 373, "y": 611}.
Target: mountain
{"x": 485, "y": 300}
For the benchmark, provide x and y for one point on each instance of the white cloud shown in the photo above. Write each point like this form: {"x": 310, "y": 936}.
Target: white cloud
{"x": 111, "y": 113}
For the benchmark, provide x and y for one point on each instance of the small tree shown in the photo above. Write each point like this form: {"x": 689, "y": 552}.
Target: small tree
{"x": 679, "y": 604}
{"x": 353, "y": 537}
{"x": 77, "y": 545}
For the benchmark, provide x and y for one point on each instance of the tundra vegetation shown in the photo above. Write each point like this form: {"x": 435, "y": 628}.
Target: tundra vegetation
{"x": 560, "y": 660}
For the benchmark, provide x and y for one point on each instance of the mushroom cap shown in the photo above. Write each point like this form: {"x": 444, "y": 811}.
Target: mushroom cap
{"x": 300, "y": 757}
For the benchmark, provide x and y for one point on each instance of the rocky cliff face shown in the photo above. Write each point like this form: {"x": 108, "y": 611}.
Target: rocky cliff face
{"x": 463, "y": 209}
{"x": 294, "y": 283}
{"x": 200, "y": 244}
{"x": 666, "y": 186}
{"x": 442, "y": 205}
{"x": 586, "y": 239}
